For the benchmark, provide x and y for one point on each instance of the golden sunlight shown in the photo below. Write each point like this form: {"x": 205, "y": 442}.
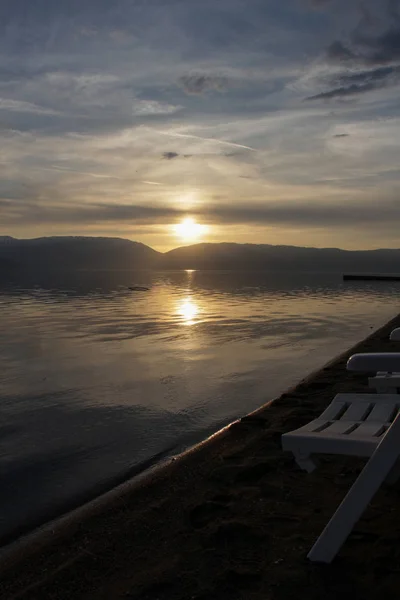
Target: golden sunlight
{"x": 189, "y": 231}
{"x": 188, "y": 310}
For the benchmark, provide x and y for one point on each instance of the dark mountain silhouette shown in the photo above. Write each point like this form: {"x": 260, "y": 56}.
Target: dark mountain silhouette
{"x": 96, "y": 253}
{"x": 267, "y": 257}
{"x": 72, "y": 253}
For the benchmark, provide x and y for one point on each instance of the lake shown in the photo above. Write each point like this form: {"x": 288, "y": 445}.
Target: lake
{"x": 98, "y": 382}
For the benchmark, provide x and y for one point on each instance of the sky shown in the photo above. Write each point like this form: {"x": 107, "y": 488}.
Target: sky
{"x": 263, "y": 121}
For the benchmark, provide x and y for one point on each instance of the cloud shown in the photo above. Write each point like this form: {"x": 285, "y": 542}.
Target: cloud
{"x": 338, "y": 52}
{"x": 35, "y": 212}
{"x": 302, "y": 213}
{"x": 367, "y": 49}
{"x": 170, "y": 155}
{"x": 153, "y": 107}
{"x": 26, "y": 107}
{"x": 80, "y": 172}
{"x": 341, "y": 135}
{"x": 366, "y": 58}
{"x": 382, "y": 49}
{"x": 378, "y": 74}
{"x": 342, "y": 92}
{"x": 211, "y": 140}
{"x": 359, "y": 83}
{"x": 88, "y": 31}
{"x": 201, "y": 83}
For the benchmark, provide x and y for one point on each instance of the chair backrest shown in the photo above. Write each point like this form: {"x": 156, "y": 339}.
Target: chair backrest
{"x": 395, "y": 335}
{"x": 374, "y": 361}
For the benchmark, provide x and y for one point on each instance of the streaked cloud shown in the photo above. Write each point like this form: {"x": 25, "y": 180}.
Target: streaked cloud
{"x": 360, "y": 82}
{"x": 153, "y": 107}
{"x": 304, "y": 213}
{"x": 8, "y": 104}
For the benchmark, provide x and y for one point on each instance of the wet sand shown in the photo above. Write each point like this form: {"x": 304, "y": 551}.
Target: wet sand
{"x": 232, "y": 519}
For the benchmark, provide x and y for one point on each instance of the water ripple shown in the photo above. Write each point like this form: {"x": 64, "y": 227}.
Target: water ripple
{"x": 98, "y": 380}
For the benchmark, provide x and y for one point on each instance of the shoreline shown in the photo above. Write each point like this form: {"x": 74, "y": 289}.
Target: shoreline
{"x": 232, "y": 514}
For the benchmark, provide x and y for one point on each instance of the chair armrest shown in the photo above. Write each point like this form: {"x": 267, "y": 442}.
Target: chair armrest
{"x": 374, "y": 361}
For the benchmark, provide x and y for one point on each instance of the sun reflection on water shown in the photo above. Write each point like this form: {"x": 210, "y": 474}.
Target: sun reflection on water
{"x": 188, "y": 310}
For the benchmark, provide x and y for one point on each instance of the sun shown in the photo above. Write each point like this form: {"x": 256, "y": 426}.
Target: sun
{"x": 188, "y": 230}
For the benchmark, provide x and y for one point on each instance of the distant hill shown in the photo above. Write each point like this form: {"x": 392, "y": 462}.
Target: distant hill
{"x": 267, "y": 257}
{"x": 72, "y": 253}
{"x": 96, "y": 253}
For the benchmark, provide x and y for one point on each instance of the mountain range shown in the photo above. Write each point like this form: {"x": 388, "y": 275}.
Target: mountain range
{"x": 100, "y": 253}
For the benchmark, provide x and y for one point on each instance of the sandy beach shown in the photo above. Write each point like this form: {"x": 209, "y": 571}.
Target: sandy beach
{"x": 233, "y": 518}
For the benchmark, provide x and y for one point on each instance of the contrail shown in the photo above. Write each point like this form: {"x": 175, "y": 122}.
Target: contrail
{"x": 100, "y": 175}
{"x": 197, "y": 137}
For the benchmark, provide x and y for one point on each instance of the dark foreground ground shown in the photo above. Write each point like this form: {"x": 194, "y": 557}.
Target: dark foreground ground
{"x": 232, "y": 519}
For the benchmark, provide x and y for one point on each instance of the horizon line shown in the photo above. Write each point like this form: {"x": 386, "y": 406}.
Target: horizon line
{"x": 101, "y": 237}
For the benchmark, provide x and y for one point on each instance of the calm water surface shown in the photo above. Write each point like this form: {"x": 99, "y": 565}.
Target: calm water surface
{"x": 97, "y": 380}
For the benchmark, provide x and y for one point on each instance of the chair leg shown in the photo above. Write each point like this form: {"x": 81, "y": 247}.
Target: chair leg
{"x": 358, "y": 497}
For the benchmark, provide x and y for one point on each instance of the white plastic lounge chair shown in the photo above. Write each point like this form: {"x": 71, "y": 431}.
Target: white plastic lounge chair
{"x": 395, "y": 335}
{"x": 387, "y": 382}
{"x": 375, "y": 361}
{"x": 353, "y": 424}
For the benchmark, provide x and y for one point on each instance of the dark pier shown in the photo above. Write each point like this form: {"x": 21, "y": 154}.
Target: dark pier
{"x": 371, "y": 277}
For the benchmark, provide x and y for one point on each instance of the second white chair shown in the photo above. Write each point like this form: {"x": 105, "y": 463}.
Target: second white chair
{"x": 386, "y": 382}
{"x": 353, "y": 424}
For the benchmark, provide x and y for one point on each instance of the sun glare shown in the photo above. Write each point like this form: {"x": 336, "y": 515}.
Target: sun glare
{"x": 188, "y": 230}
{"x": 188, "y": 310}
